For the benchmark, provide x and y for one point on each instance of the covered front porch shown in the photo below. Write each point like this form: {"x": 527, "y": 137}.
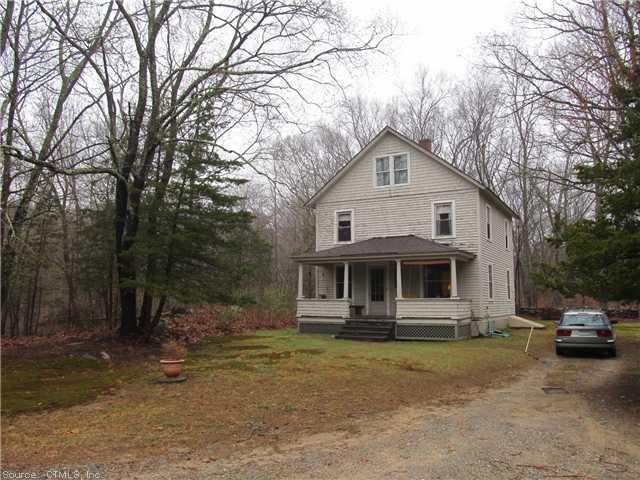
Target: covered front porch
{"x": 410, "y": 281}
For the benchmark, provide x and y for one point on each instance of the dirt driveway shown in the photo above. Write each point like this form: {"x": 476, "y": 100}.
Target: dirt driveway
{"x": 588, "y": 428}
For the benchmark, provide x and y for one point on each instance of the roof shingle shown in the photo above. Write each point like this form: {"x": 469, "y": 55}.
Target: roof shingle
{"x": 385, "y": 246}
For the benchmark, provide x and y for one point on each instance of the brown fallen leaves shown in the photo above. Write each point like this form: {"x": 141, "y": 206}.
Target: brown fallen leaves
{"x": 207, "y": 321}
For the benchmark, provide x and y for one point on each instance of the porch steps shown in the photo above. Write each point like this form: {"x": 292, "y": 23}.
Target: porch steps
{"x": 367, "y": 330}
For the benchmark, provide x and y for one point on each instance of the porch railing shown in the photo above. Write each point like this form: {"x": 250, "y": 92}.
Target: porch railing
{"x": 433, "y": 308}
{"x": 323, "y": 307}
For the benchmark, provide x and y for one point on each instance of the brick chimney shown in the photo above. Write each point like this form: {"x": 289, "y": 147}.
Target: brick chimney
{"x": 426, "y": 143}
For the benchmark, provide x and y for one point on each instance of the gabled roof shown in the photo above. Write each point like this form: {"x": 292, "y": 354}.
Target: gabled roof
{"x": 340, "y": 173}
{"x": 385, "y": 247}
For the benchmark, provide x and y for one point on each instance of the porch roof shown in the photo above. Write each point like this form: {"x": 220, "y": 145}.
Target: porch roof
{"x": 379, "y": 248}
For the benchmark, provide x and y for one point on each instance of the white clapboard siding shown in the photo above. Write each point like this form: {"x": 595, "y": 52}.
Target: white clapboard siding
{"x": 359, "y": 182}
{"x": 359, "y": 285}
{"x": 408, "y": 210}
{"x": 325, "y": 281}
{"x": 401, "y": 215}
{"x": 323, "y": 308}
{"x": 433, "y": 308}
{"x": 494, "y": 252}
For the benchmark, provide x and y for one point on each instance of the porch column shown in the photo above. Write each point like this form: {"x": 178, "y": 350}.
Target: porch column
{"x": 398, "y": 278}
{"x": 345, "y": 290}
{"x": 300, "y": 280}
{"x": 454, "y": 278}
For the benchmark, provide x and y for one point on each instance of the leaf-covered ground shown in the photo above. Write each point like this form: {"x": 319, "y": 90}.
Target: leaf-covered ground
{"x": 242, "y": 392}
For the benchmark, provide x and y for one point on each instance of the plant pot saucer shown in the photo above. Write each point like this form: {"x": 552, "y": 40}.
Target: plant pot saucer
{"x": 178, "y": 379}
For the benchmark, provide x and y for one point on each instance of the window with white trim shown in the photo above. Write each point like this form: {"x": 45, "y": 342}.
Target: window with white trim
{"x": 383, "y": 175}
{"x": 488, "y": 219}
{"x": 443, "y": 213}
{"x": 400, "y": 169}
{"x": 490, "y": 280}
{"x": 344, "y": 226}
{"x": 506, "y": 234}
{"x": 508, "y": 285}
{"x": 392, "y": 170}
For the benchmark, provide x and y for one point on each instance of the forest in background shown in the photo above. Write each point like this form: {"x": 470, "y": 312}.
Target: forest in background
{"x": 155, "y": 154}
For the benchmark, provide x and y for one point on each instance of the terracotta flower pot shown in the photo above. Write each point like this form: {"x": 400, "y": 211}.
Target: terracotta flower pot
{"x": 172, "y": 368}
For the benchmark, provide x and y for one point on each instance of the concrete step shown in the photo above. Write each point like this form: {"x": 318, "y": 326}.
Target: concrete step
{"x": 362, "y": 331}
{"x": 367, "y": 330}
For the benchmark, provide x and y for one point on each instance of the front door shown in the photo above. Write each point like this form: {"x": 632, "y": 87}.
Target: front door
{"x": 377, "y": 290}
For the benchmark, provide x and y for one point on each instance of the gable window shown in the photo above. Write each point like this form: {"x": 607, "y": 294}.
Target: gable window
{"x": 443, "y": 216}
{"x": 345, "y": 226}
{"x": 506, "y": 235}
{"x": 340, "y": 281}
{"x": 490, "y": 280}
{"x": 488, "y": 215}
{"x": 400, "y": 169}
{"x": 383, "y": 176}
{"x": 392, "y": 170}
{"x": 508, "y": 285}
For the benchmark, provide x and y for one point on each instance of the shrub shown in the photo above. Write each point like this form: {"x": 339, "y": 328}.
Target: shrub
{"x": 278, "y": 299}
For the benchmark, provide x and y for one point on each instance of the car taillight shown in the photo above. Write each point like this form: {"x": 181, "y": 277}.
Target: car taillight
{"x": 604, "y": 333}
{"x": 563, "y": 332}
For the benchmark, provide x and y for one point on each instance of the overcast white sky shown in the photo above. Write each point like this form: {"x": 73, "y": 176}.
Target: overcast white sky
{"x": 439, "y": 34}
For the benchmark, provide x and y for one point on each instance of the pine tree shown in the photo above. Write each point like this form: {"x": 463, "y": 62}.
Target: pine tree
{"x": 205, "y": 245}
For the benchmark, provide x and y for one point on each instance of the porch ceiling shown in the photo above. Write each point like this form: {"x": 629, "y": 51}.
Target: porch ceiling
{"x": 385, "y": 248}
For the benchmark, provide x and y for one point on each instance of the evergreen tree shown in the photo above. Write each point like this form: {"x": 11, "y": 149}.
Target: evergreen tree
{"x": 204, "y": 245}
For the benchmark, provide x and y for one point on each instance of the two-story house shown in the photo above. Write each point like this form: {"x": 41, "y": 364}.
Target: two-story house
{"x": 403, "y": 236}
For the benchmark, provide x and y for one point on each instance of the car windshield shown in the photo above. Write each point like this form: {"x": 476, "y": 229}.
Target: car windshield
{"x": 585, "y": 319}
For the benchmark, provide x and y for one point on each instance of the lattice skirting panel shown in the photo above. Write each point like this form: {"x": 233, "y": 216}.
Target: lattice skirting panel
{"x": 317, "y": 327}
{"x": 432, "y": 332}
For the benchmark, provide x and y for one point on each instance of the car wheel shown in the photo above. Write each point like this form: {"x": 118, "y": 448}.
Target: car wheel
{"x": 559, "y": 351}
{"x": 613, "y": 352}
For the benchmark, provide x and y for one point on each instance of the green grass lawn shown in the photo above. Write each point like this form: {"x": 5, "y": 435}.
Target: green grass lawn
{"x": 267, "y": 352}
{"x": 32, "y": 385}
{"x": 242, "y": 391}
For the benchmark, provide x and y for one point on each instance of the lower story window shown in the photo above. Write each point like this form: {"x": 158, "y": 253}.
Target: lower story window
{"x": 340, "y": 281}
{"x": 437, "y": 281}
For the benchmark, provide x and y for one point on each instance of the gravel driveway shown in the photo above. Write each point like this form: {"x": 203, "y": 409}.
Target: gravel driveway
{"x": 587, "y": 429}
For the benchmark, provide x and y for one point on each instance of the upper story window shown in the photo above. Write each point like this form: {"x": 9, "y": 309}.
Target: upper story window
{"x": 443, "y": 219}
{"x": 400, "y": 169}
{"x": 488, "y": 219}
{"x": 392, "y": 170}
{"x": 344, "y": 226}
{"x": 383, "y": 176}
{"x": 506, "y": 234}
